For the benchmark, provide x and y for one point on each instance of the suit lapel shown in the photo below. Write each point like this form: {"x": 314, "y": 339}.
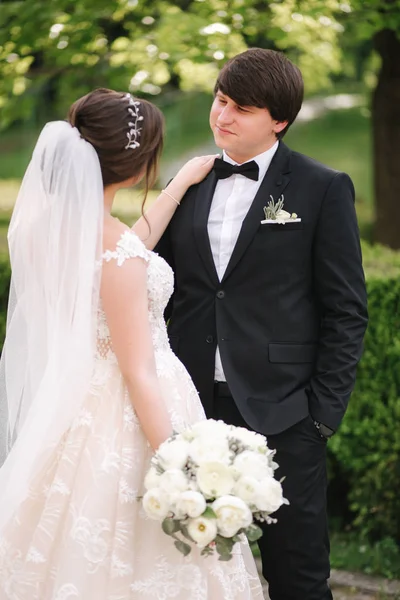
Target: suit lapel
{"x": 273, "y": 184}
{"x": 205, "y": 193}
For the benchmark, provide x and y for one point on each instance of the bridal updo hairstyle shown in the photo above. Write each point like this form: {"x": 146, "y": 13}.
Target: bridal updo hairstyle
{"x": 102, "y": 118}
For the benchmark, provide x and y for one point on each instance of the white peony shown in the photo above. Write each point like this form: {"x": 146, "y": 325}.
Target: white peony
{"x": 191, "y": 504}
{"x": 232, "y": 514}
{"x": 173, "y": 481}
{"x": 246, "y": 489}
{"x": 152, "y": 479}
{"x": 210, "y": 429}
{"x": 269, "y": 495}
{"x": 156, "y": 504}
{"x": 204, "y": 449}
{"x": 215, "y": 479}
{"x": 252, "y": 464}
{"x": 202, "y": 531}
{"x": 255, "y": 441}
{"x": 173, "y": 454}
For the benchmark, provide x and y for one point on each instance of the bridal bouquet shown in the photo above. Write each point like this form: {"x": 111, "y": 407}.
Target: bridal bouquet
{"x": 210, "y": 485}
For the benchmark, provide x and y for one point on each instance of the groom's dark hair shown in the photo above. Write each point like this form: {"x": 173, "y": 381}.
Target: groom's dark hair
{"x": 266, "y": 79}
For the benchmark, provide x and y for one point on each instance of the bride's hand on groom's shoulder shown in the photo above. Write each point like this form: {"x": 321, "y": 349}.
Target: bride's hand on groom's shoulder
{"x": 195, "y": 170}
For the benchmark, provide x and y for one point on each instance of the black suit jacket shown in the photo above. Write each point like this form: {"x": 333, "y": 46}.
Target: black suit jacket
{"x": 290, "y": 312}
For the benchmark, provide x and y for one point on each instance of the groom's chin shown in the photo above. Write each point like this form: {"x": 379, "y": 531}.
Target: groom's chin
{"x": 221, "y": 144}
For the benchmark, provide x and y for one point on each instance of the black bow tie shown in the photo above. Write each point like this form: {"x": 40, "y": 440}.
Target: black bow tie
{"x": 224, "y": 169}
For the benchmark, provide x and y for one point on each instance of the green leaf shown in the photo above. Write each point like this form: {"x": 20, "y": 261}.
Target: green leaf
{"x": 224, "y": 545}
{"x": 209, "y": 513}
{"x": 183, "y": 547}
{"x": 170, "y": 526}
{"x": 185, "y": 532}
{"x": 225, "y": 557}
{"x": 253, "y": 533}
{"x": 207, "y": 551}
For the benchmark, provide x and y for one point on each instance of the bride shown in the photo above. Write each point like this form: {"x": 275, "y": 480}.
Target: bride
{"x": 89, "y": 384}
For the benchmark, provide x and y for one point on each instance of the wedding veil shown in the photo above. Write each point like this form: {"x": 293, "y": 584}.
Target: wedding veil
{"x": 55, "y": 243}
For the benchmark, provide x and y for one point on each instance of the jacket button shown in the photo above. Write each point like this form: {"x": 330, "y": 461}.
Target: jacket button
{"x": 209, "y": 339}
{"x": 220, "y": 294}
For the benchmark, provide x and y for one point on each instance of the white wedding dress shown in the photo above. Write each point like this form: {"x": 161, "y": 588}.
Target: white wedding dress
{"x": 82, "y": 533}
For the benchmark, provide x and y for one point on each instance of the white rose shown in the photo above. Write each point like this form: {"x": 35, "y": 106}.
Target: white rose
{"x": 173, "y": 454}
{"x": 206, "y": 449}
{"x": 246, "y": 489}
{"x": 202, "y": 531}
{"x": 269, "y": 495}
{"x": 152, "y": 479}
{"x": 156, "y": 504}
{"x": 190, "y": 503}
{"x": 232, "y": 514}
{"x": 255, "y": 441}
{"x": 252, "y": 464}
{"x": 215, "y": 479}
{"x": 173, "y": 481}
{"x": 209, "y": 428}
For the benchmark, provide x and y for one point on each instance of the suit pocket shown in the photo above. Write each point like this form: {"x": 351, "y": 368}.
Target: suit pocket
{"x": 291, "y": 353}
{"x": 282, "y": 228}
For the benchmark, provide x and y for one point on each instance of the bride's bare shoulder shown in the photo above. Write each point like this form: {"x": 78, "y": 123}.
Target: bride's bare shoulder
{"x": 113, "y": 230}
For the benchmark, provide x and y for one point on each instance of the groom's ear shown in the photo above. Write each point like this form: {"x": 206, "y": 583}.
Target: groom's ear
{"x": 280, "y": 126}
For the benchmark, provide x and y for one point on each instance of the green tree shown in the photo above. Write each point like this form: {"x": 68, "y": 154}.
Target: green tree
{"x": 379, "y": 22}
{"x": 52, "y": 52}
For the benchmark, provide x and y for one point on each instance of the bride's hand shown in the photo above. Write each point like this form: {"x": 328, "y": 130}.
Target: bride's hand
{"x": 195, "y": 170}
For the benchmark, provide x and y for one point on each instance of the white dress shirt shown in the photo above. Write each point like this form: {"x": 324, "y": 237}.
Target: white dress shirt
{"x": 232, "y": 199}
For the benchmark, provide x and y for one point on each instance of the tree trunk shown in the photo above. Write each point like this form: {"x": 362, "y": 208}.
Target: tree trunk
{"x": 386, "y": 136}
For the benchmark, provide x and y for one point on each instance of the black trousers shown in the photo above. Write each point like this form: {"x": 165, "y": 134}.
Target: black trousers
{"x": 295, "y": 550}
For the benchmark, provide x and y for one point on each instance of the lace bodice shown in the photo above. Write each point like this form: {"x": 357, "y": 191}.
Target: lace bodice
{"x": 160, "y": 285}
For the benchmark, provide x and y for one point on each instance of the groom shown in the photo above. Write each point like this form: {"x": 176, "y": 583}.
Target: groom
{"x": 269, "y": 317}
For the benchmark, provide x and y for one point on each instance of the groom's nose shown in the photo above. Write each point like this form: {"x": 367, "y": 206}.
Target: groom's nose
{"x": 225, "y": 116}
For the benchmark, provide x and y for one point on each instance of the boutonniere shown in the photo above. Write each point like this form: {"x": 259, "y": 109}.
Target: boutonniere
{"x": 275, "y": 215}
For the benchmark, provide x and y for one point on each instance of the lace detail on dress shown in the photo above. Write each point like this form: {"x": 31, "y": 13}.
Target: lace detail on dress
{"x": 129, "y": 246}
{"x": 160, "y": 286}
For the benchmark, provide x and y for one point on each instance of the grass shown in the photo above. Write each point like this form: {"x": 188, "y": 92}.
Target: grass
{"x": 351, "y": 553}
{"x": 342, "y": 140}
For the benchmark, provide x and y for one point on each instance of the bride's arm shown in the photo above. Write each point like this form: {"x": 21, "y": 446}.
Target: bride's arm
{"x": 125, "y": 303}
{"x": 162, "y": 210}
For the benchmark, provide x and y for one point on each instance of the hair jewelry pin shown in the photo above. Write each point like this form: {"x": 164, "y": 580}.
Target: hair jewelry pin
{"x": 134, "y": 132}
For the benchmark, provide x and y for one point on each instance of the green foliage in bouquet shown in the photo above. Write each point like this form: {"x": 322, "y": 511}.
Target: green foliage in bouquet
{"x": 222, "y": 545}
